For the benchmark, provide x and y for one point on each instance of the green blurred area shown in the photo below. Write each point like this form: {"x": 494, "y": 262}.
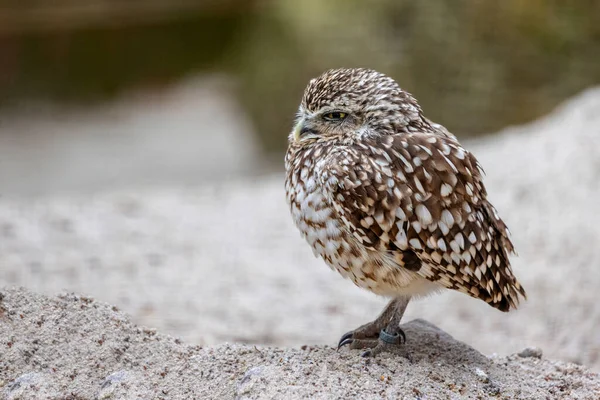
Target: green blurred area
{"x": 474, "y": 65}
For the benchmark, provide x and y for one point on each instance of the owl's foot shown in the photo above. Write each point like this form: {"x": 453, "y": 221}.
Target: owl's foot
{"x": 364, "y": 334}
{"x": 381, "y": 335}
{"x": 384, "y": 342}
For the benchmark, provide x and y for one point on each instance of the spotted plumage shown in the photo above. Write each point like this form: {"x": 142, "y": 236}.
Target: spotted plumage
{"x": 390, "y": 199}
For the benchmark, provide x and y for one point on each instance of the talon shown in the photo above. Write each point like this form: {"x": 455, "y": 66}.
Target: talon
{"x": 344, "y": 339}
{"x": 344, "y": 342}
{"x": 366, "y": 353}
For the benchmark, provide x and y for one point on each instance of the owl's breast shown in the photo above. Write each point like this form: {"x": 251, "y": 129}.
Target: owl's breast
{"x": 317, "y": 219}
{"x": 312, "y": 213}
{"x": 322, "y": 227}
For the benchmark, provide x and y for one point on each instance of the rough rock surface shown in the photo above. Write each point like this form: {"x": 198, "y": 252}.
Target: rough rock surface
{"x": 75, "y": 347}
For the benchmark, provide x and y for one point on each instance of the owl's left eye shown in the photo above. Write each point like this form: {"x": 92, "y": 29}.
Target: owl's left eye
{"x": 335, "y": 116}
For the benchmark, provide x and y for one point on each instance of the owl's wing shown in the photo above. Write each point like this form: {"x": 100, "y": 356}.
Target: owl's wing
{"x": 420, "y": 197}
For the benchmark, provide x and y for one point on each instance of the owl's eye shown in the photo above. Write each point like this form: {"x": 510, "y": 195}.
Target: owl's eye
{"x": 335, "y": 116}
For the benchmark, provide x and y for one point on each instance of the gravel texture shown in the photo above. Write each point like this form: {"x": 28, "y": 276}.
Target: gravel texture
{"x": 75, "y": 347}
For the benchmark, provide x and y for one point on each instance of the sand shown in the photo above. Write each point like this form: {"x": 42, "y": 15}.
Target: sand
{"x": 77, "y": 348}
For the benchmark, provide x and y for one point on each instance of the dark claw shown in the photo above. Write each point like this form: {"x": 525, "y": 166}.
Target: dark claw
{"x": 346, "y": 339}
{"x": 366, "y": 353}
{"x": 345, "y": 342}
{"x": 402, "y": 335}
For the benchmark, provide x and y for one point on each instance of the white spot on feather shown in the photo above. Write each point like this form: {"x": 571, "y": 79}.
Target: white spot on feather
{"x": 415, "y": 243}
{"x": 407, "y": 166}
{"x": 455, "y": 258}
{"x": 451, "y": 165}
{"x": 445, "y": 190}
{"x": 401, "y": 240}
{"x": 472, "y": 237}
{"x": 467, "y": 257}
{"x": 423, "y": 214}
{"x": 426, "y": 150}
{"x": 400, "y": 215}
{"x": 460, "y": 240}
{"x": 441, "y": 245}
{"x": 444, "y": 228}
{"x": 454, "y": 246}
{"x": 367, "y": 222}
{"x": 419, "y": 185}
{"x": 469, "y": 188}
{"x": 416, "y": 226}
{"x": 460, "y": 153}
{"x": 447, "y": 218}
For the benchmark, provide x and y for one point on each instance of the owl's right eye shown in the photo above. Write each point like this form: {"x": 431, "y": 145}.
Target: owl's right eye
{"x": 335, "y": 116}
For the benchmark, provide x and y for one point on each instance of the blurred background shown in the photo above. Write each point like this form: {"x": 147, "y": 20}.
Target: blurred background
{"x": 141, "y": 148}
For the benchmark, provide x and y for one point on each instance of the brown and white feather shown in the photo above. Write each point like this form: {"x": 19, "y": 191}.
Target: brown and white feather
{"x": 394, "y": 202}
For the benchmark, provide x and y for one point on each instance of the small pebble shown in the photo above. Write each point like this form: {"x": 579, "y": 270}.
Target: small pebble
{"x": 531, "y": 352}
{"x": 483, "y": 377}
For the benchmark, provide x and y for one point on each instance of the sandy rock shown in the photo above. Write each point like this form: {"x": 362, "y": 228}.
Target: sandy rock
{"x": 75, "y": 347}
{"x": 531, "y": 352}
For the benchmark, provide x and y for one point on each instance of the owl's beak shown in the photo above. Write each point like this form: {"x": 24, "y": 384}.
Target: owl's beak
{"x": 300, "y": 129}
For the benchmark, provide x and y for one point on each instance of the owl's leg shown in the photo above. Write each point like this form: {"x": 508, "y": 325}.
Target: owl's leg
{"x": 380, "y": 334}
{"x": 392, "y": 335}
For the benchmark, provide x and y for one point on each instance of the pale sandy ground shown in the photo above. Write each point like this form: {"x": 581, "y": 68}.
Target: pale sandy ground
{"x": 214, "y": 263}
{"x": 73, "y": 347}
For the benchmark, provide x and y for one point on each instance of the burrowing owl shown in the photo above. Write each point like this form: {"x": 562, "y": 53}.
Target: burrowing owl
{"x": 392, "y": 201}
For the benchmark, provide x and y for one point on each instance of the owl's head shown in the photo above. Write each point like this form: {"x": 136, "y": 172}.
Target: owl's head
{"x": 345, "y": 104}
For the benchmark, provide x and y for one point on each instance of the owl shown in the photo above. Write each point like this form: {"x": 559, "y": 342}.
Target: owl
{"x": 392, "y": 201}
